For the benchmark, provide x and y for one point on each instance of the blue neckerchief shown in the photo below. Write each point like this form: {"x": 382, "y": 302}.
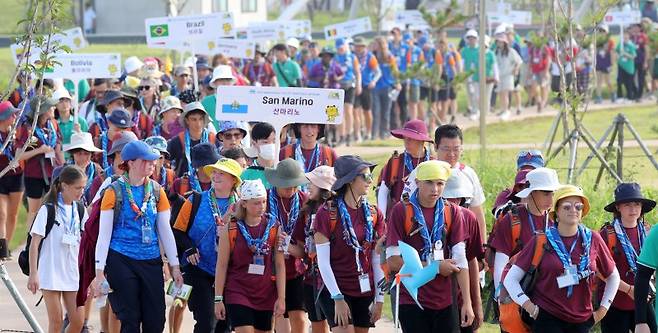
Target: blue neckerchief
{"x": 289, "y": 225}
{"x": 555, "y": 239}
{"x": 163, "y": 177}
{"x": 157, "y": 130}
{"x": 70, "y": 225}
{"x": 349, "y": 235}
{"x": 256, "y": 245}
{"x": 104, "y": 144}
{"x": 101, "y": 121}
{"x": 437, "y": 226}
{"x": 315, "y": 157}
{"x": 109, "y": 171}
{"x": 629, "y": 251}
{"x": 408, "y": 164}
{"x": 91, "y": 173}
{"x": 194, "y": 181}
{"x": 9, "y": 150}
{"x": 217, "y": 210}
{"x": 51, "y": 140}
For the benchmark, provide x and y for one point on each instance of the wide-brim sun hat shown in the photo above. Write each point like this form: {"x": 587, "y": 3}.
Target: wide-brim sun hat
{"x": 287, "y": 173}
{"x": 168, "y": 103}
{"x": 346, "y": 169}
{"x": 413, "y": 129}
{"x": 132, "y": 64}
{"x": 458, "y": 186}
{"x": 61, "y": 93}
{"x": 630, "y": 192}
{"x": 322, "y": 177}
{"x": 139, "y": 150}
{"x": 189, "y": 107}
{"x": 7, "y": 109}
{"x": 227, "y": 165}
{"x": 221, "y": 72}
{"x": 45, "y": 104}
{"x": 566, "y": 191}
{"x": 540, "y": 179}
{"x": 84, "y": 141}
{"x": 124, "y": 138}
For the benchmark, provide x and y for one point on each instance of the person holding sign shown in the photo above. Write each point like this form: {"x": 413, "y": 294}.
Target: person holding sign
{"x": 194, "y": 119}
{"x": 307, "y": 151}
{"x": 441, "y": 235}
{"x": 263, "y": 149}
{"x": 222, "y": 75}
{"x": 250, "y": 280}
{"x": 562, "y": 293}
{"x": 347, "y": 231}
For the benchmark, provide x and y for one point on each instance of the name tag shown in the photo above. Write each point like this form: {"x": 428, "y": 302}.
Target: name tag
{"x": 258, "y": 265}
{"x": 364, "y": 283}
{"x": 146, "y": 233}
{"x": 569, "y": 278}
{"x": 437, "y": 254}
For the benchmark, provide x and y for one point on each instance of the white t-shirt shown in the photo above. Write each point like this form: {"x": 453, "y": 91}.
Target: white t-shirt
{"x": 58, "y": 262}
{"x": 88, "y": 19}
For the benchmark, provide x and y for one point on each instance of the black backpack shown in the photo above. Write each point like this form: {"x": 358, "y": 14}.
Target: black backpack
{"x": 24, "y": 256}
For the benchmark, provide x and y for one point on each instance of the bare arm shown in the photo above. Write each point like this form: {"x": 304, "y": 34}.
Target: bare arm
{"x": 222, "y": 261}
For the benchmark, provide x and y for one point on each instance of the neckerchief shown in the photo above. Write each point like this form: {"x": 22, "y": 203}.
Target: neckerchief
{"x": 71, "y": 226}
{"x": 258, "y": 245}
{"x": 139, "y": 211}
{"x": 293, "y": 216}
{"x": 437, "y": 226}
{"x": 104, "y": 143}
{"x": 217, "y": 211}
{"x": 348, "y": 228}
{"x": 163, "y": 177}
{"x": 91, "y": 173}
{"x": 315, "y": 157}
{"x": 101, "y": 121}
{"x": 191, "y": 172}
{"x": 585, "y": 236}
{"x": 51, "y": 138}
{"x": 109, "y": 171}
{"x": 629, "y": 251}
{"x": 408, "y": 164}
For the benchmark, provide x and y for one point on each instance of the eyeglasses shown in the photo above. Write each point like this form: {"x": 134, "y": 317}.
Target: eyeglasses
{"x": 140, "y": 88}
{"x": 366, "y": 176}
{"x": 127, "y": 102}
{"x": 568, "y": 206}
{"x": 234, "y": 135}
{"x": 455, "y": 150}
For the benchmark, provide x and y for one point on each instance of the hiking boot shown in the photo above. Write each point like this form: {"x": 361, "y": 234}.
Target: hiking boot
{"x": 4, "y": 250}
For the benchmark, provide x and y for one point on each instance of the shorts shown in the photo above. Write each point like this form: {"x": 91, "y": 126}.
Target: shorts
{"x": 35, "y": 188}
{"x": 445, "y": 94}
{"x": 364, "y": 100}
{"x": 349, "y": 95}
{"x": 414, "y": 93}
{"x": 540, "y": 79}
{"x": 547, "y": 323}
{"x": 416, "y": 320}
{"x": 240, "y": 315}
{"x": 424, "y": 93}
{"x": 315, "y": 313}
{"x": 294, "y": 295}
{"x": 11, "y": 184}
{"x": 359, "y": 308}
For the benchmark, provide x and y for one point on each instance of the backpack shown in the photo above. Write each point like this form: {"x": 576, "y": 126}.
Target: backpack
{"x": 87, "y": 254}
{"x": 515, "y": 226}
{"x": 511, "y": 320}
{"x": 24, "y": 256}
{"x": 611, "y": 238}
{"x": 183, "y": 241}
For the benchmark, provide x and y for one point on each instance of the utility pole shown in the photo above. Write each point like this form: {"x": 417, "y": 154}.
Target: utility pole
{"x": 484, "y": 98}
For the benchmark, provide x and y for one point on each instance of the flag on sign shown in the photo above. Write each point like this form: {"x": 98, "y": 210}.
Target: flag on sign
{"x": 160, "y": 30}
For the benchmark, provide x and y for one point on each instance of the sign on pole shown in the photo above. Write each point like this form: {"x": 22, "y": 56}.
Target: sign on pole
{"x": 84, "y": 66}
{"x": 234, "y": 48}
{"x": 513, "y": 16}
{"x": 181, "y": 32}
{"x": 71, "y": 38}
{"x": 348, "y": 28}
{"x": 622, "y": 18}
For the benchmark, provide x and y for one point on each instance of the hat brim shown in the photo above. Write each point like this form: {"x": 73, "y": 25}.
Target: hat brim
{"x": 318, "y": 181}
{"x": 208, "y": 169}
{"x": 181, "y": 119}
{"x": 647, "y": 204}
{"x": 130, "y": 124}
{"x": 405, "y": 134}
{"x": 83, "y": 146}
{"x": 278, "y": 182}
{"x": 11, "y": 110}
{"x": 244, "y": 133}
{"x": 526, "y": 192}
{"x": 348, "y": 178}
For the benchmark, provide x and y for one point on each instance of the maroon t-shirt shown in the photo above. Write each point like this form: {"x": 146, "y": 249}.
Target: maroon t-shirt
{"x": 436, "y": 294}
{"x": 32, "y": 168}
{"x": 13, "y": 147}
{"x": 502, "y": 236}
{"x": 294, "y": 265}
{"x": 299, "y": 235}
{"x": 310, "y": 163}
{"x": 547, "y": 295}
{"x": 474, "y": 247}
{"x": 396, "y": 185}
{"x": 254, "y": 291}
{"x": 342, "y": 258}
{"x": 622, "y": 300}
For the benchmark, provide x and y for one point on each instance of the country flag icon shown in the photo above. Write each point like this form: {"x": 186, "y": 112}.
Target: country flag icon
{"x": 160, "y": 30}
{"x": 235, "y": 107}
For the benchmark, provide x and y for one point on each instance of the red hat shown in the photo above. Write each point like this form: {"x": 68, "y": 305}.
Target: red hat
{"x": 413, "y": 129}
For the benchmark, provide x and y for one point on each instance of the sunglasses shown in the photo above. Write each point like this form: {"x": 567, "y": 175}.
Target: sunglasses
{"x": 234, "y": 135}
{"x": 368, "y": 177}
{"x": 568, "y": 206}
{"x": 140, "y": 88}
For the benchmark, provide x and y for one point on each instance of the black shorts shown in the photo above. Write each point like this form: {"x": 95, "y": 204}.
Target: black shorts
{"x": 416, "y": 320}
{"x": 359, "y": 308}
{"x": 240, "y": 315}
{"x": 349, "y": 95}
{"x": 424, "y": 93}
{"x": 547, "y": 323}
{"x": 35, "y": 188}
{"x": 315, "y": 313}
{"x": 11, "y": 184}
{"x": 364, "y": 100}
{"x": 294, "y": 295}
{"x": 446, "y": 94}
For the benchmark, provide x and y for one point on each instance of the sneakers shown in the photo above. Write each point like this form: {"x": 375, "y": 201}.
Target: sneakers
{"x": 474, "y": 116}
{"x": 4, "y": 250}
{"x": 505, "y": 115}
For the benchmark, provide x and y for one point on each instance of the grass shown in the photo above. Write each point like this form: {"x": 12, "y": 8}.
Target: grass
{"x": 20, "y": 233}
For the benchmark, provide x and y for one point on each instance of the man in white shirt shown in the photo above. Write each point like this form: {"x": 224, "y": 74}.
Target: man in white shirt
{"x": 89, "y": 19}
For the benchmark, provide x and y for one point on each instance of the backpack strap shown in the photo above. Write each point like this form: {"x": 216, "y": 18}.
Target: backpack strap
{"x": 288, "y": 151}
{"x": 515, "y": 227}
{"x": 232, "y": 232}
{"x": 611, "y": 238}
{"x": 409, "y": 218}
{"x": 328, "y": 156}
{"x": 118, "y": 198}
{"x": 395, "y": 168}
{"x": 50, "y": 220}
{"x": 540, "y": 249}
{"x": 196, "y": 202}
{"x": 333, "y": 216}
{"x": 81, "y": 212}
{"x": 157, "y": 188}
{"x": 171, "y": 176}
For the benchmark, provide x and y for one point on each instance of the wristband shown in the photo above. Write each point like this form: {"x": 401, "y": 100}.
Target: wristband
{"x": 219, "y": 298}
{"x": 338, "y": 297}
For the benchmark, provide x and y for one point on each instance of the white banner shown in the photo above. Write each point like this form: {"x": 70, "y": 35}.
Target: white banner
{"x": 280, "y": 106}
{"x": 72, "y": 38}
{"x": 348, "y": 28}
{"x": 513, "y": 16}
{"x": 623, "y": 18}
{"x": 234, "y": 48}
{"x": 262, "y": 31}
{"x": 413, "y": 17}
{"x": 76, "y": 66}
{"x": 185, "y": 32}
{"x": 297, "y": 28}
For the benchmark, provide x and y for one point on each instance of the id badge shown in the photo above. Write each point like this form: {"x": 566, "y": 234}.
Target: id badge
{"x": 68, "y": 239}
{"x": 146, "y": 233}
{"x": 437, "y": 254}
{"x": 602, "y": 53}
{"x": 569, "y": 278}
{"x": 286, "y": 244}
{"x": 364, "y": 283}
{"x": 257, "y": 267}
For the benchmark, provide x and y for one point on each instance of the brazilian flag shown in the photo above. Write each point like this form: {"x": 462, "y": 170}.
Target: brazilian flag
{"x": 160, "y": 30}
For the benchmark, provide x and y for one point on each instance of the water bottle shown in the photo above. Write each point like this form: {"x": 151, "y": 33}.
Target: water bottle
{"x": 101, "y": 300}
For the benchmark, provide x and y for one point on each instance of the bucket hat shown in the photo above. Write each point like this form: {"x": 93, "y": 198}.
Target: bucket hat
{"x": 293, "y": 42}
{"x": 471, "y": 33}
{"x": 168, "y": 103}
{"x": 433, "y": 170}
{"x": 82, "y": 141}
{"x": 322, "y": 177}
{"x": 532, "y": 158}
{"x": 298, "y": 132}
{"x": 630, "y": 192}
{"x": 46, "y": 104}
{"x": 61, "y": 93}
{"x": 221, "y": 72}
{"x": 192, "y": 107}
{"x": 287, "y": 173}
{"x": 120, "y": 142}
{"x": 139, "y": 150}
{"x": 458, "y": 186}
{"x": 566, "y": 191}
{"x": 120, "y": 118}
{"x": 204, "y": 154}
{"x": 540, "y": 179}
{"x": 328, "y": 50}
{"x": 109, "y": 97}
{"x": 180, "y": 70}
{"x": 413, "y": 129}
{"x": 132, "y": 64}
{"x": 226, "y": 165}
{"x": 359, "y": 41}
{"x": 252, "y": 189}
{"x": 346, "y": 168}
{"x": 7, "y": 109}
{"x": 159, "y": 143}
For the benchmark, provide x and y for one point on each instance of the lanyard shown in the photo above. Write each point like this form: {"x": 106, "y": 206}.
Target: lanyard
{"x": 104, "y": 144}
{"x": 257, "y": 245}
{"x": 561, "y": 251}
{"x": 140, "y": 212}
{"x": 290, "y": 222}
{"x": 109, "y": 171}
{"x": 91, "y": 173}
{"x": 72, "y": 223}
{"x": 51, "y": 138}
{"x": 315, "y": 156}
{"x": 191, "y": 172}
{"x": 408, "y": 164}
{"x": 629, "y": 250}
{"x": 163, "y": 177}
{"x": 437, "y": 226}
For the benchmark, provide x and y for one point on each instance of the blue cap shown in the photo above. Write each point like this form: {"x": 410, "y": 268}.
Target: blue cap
{"x": 532, "y": 158}
{"x": 340, "y": 42}
{"x": 203, "y": 154}
{"x": 139, "y": 150}
{"x": 422, "y": 40}
{"x": 120, "y": 118}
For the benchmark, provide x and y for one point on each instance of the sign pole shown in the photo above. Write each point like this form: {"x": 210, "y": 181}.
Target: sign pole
{"x": 75, "y": 103}
{"x": 483, "y": 100}
{"x": 195, "y": 74}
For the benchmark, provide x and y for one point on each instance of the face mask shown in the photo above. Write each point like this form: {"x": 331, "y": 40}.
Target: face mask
{"x": 261, "y": 60}
{"x": 267, "y": 151}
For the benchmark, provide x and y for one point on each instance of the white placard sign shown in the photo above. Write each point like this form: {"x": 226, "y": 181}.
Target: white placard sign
{"x": 280, "y": 106}
{"x": 84, "y": 66}
{"x": 348, "y": 28}
{"x": 513, "y": 16}
{"x": 185, "y": 32}
{"x": 622, "y": 18}
{"x": 234, "y": 48}
{"x": 262, "y": 31}
{"x": 72, "y": 38}
{"x": 413, "y": 17}
{"x": 297, "y": 28}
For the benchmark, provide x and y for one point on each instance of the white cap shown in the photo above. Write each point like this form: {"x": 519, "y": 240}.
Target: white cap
{"x": 252, "y": 189}
{"x": 540, "y": 179}
{"x": 221, "y": 72}
{"x": 500, "y": 29}
{"x": 61, "y": 93}
{"x": 471, "y": 33}
{"x": 294, "y": 42}
{"x": 132, "y": 64}
{"x": 82, "y": 140}
{"x": 458, "y": 186}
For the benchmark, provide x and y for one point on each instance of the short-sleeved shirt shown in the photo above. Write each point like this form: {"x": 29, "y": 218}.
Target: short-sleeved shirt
{"x": 474, "y": 248}
{"x": 502, "y": 237}
{"x": 32, "y": 167}
{"x": 436, "y": 294}
{"x": 539, "y": 59}
{"x": 342, "y": 255}
{"x": 66, "y": 128}
{"x": 478, "y": 192}
{"x": 294, "y": 266}
{"x": 256, "y": 172}
{"x": 626, "y": 60}
{"x": 470, "y": 58}
{"x": 287, "y": 73}
{"x": 547, "y": 295}
{"x": 12, "y": 147}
